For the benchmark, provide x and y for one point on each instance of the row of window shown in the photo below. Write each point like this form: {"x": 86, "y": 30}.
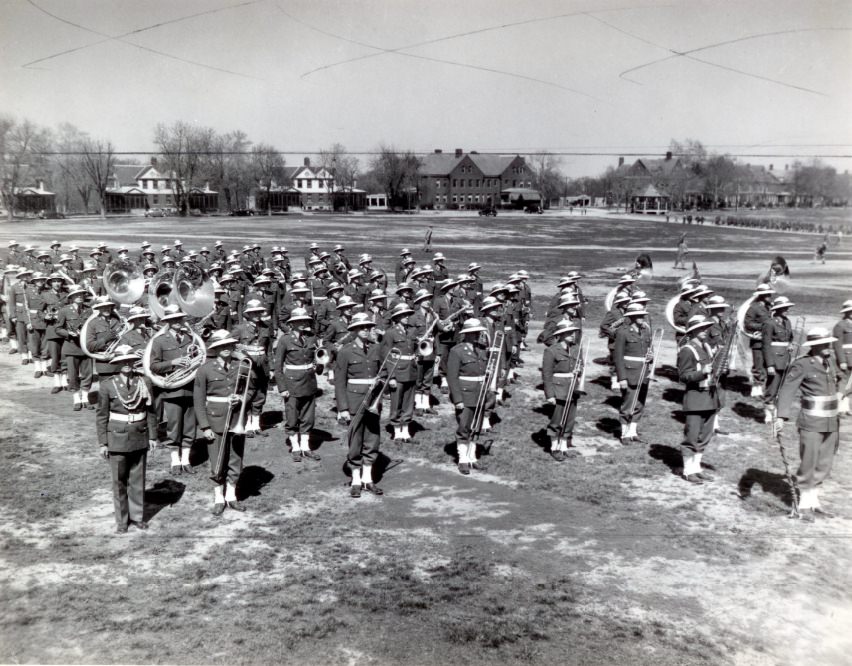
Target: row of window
{"x": 471, "y": 198}
{"x": 314, "y": 183}
{"x": 475, "y": 182}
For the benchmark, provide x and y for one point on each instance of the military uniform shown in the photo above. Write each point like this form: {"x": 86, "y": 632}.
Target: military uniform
{"x": 755, "y": 317}
{"x": 777, "y": 335}
{"x": 100, "y": 334}
{"x": 126, "y": 422}
{"x": 402, "y": 397}
{"x": 700, "y": 401}
{"x": 843, "y": 356}
{"x": 354, "y": 371}
{"x": 465, "y": 375}
{"x": 78, "y": 366}
{"x": 36, "y": 343}
{"x": 612, "y": 321}
{"x": 51, "y": 302}
{"x": 177, "y": 402}
{"x": 557, "y": 372}
{"x": 632, "y": 342}
{"x": 19, "y": 307}
{"x": 295, "y": 372}
{"x": 421, "y": 322}
{"x": 258, "y": 336}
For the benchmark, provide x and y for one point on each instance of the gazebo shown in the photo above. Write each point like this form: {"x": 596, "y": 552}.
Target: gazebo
{"x": 651, "y": 201}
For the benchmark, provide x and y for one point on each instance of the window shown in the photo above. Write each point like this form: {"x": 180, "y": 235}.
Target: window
{"x": 455, "y": 183}
{"x": 299, "y": 182}
{"x": 477, "y": 182}
{"x": 168, "y": 199}
{"x": 514, "y": 183}
{"x": 156, "y": 199}
{"x": 454, "y": 198}
{"x": 476, "y": 198}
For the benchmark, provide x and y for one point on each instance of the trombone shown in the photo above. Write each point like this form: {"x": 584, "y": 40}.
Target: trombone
{"x": 489, "y": 384}
{"x": 368, "y": 402}
{"x": 578, "y": 380}
{"x": 647, "y": 372}
{"x": 244, "y": 368}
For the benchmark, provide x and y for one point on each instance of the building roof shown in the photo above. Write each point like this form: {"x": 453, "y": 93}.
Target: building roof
{"x": 662, "y": 167}
{"x": 492, "y": 165}
{"x": 652, "y": 191}
{"x": 125, "y": 189}
{"x": 439, "y": 164}
{"x": 126, "y": 174}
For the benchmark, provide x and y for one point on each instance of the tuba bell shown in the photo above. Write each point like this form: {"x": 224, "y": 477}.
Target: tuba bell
{"x": 160, "y": 293}
{"x": 193, "y": 291}
{"x": 123, "y": 282}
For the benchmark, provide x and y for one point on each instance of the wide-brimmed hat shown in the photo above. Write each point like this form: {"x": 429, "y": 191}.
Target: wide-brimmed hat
{"x": 333, "y": 287}
{"x": 12, "y": 268}
{"x": 220, "y": 338}
{"x": 472, "y": 326}
{"x": 716, "y": 303}
{"x": 635, "y": 310}
{"x": 136, "y": 313}
{"x": 261, "y": 280}
{"x": 360, "y": 320}
{"x": 55, "y": 243}
{"x": 846, "y": 307}
{"x": 65, "y": 257}
{"x": 764, "y": 289}
{"x": 299, "y": 288}
{"x": 338, "y": 247}
{"x": 525, "y": 275}
{"x": 102, "y": 302}
{"x": 364, "y": 259}
{"x": 325, "y": 255}
{"x": 565, "y": 326}
{"x": 818, "y": 336}
{"x": 621, "y": 297}
{"x": 253, "y": 305}
{"x": 400, "y": 310}
{"x": 626, "y": 279}
{"x": 404, "y": 251}
{"x": 23, "y": 272}
{"x": 169, "y": 260}
{"x": 89, "y": 266}
{"x": 438, "y": 256}
{"x": 498, "y": 288}
{"x": 689, "y": 289}
{"x": 421, "y": 295}
{"x": 639, "y": 297}
{"x": 490, "y": 303}
{"x": 345, "y": 302}
{"x": 698, "y": 322}
{"x": 218, "y": 243}
{"x": 56, "y": 276}
{"x": 473, "y": 267}
{"x": 447, "y": 284}
{"x": 75, "y": 289}
{"x": 124, "y": 354}
{"x": 38, "y": 275}
{"x": 299, "y": 314}
{"x": 42, "y": 253}
{"x": 404, "y": 286}
{"x": 354, "y": 273}
{"x": 144, "y": 244}
{"x": 177, "y": 242}
{"x": 377, "y": 295}
{"x": 566, "y": 280}
{"x": 702, "y": 290}
{"x": 95, "y": 251}
{"x": 568, "y": 301}
{"x": 102, "y": 245}
{"x": 781, "y": 303}
{"x": 172, "y": 313}
{"x": 13, "y": 243}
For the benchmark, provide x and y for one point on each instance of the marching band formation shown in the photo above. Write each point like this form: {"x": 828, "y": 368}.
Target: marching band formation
{"x": 194, "y": 340}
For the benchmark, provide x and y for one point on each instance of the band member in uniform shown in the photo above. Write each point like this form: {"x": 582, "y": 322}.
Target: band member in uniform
{"x": 843, "y": 354}
{"x": 401, "y": 336}
{"x": 169, "y": 351}
{"x": 819, "y": 420}
{"x": 37, "y": 326}
{"x": 718, "y": 336}
{"x": 53, "y": 300}
{"x": 327, "y": 310}
{"x": 632, "y": 349}
{"x": 214, "y": 391}
{"x": 683, "y": 308}
{"x": 612, "y": 321}
{"x": 127, "y": 430}
{"x": 444, "y": 338}
{"x": 21, "y": 314}
{"x": 78, "y": 366}
{"x": 101, "y": 332}
{"x": 700, "y": 400}
{"x": 403, "y": 265}
{"x": 136, "y": 335}
{"x": 557, "y": 370}
{"x": 296, "y": 377}
{"x": 423, "y": 324}
{"x": 465, "y": 374}
{"x": 356, "y": 367}
{"x": 756, "y": 315}
{"x": 255, "y": 337}
{"x": 777, "y": 336}
{"x": 439, "y": 270}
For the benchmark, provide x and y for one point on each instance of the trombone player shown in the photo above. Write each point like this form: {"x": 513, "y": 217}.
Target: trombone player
{"x": 78, "y": 366}
{"x": 169, "y": 351}
{"x": 560, "y": 366}
{"x": 214, "y": 396}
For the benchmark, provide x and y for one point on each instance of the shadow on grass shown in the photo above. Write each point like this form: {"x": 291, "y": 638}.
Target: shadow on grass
{"x": 737, "y": 384}
{"x": 252, "y": 481}
{"x": 162, "y": 494}
{"x": 541, "y": 437}
{"x": 609, "y": 425}
{"x": 603, "y": 381}
{"x": 748, "y": 411}
{"x": 668, "y": 372}
{"x": 271, "y": 418}
{"x": 769, "y": 482}
{"x": 669, "y": 456}
{"x": 198, "y": 453}
{"x": 601, "y": 360}
{"x": 320, "y": 437}
{"x": 674, "y": 395}
{"x": 613, "y": 401}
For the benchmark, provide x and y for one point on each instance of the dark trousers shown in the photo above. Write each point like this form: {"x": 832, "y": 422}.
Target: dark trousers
{"x": 36, "y": 343}
{"x": 402, "y": 403}
{"x": 698, "y": 430}
{"x": 21, "y": 335}
{"x": 180, "y": 421}
{"x": 425, "y": 375}
{"x": 54, "y": 355}
{"x": 442, "y": 349}
{"x": 259, "y": 388}
{"x": 79, "y": 372}
{"x": 364, "y": 443}
{"x": 464, "y": 424}
{"x": 299, "y": 413}
{"x": 235, "y": 445}
{"x": 758, "y": 365}
{"x": 556, "y": 418}
{"x": 816, "y": 450}
{"x": 773, "y": 384}
{"x": 627, "y": 397}
{"x": 128, "y": 485}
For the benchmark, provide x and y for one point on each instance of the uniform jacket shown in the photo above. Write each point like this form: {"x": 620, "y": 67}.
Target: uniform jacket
{"x": 100, "y": 333}
{"x": 354, "y": 363}
{"x": 120, "y": 435}
{"x": 402, "y": 338}
{"x": 136, "y": 338}
{"x": 420, "y": 322}
{"x": 699, "y": 395}
{"x": 256, "y": 334}
{"x": 68, "y": 324}
{"x": 51, "y": 303}
{"x": 843, "y": 346}
{"x": 755, "y": 316}
{"x": 681, "y": 312}
{"x": 294, "y": 365}
{"x": 466, "y": 360}
{"x": 557, "y": 370}
{"x": 777, "y": 335}
{"x": 164, "y": 349}
{"x": 816, "y": 379}
{"x": 213, "y": 381}
{"x": 612, "y": 321}
{"x": 631, "y": 345}
{"x": 337, "y": 333}
{"x": 35, "y": 301}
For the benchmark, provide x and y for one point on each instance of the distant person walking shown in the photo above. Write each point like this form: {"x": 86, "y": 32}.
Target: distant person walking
{"x": 682, "y": 251}
{"x": 427, "y": 240}
{"x": 819, "y": 255}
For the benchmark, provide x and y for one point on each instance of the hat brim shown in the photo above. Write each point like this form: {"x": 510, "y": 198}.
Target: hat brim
{"x": 475, "y": 329}
{"x": 563, "y": 331}
{"x": 361, "y": 324}
{"x": 783, "y": 306}
{"x": 293, "y": 320}
{"x": 125, "y": 358}
{"x": 698, "y": 327}
{"x": 101, "y": 306}
{"x": 257, "y": 309}
{"x": 636, "y": 314}
{"x": 819, "y": 341}
{"x": 402, "y": 313}
{"x": 224, "y": 342}
{"x": 177, "y": 316}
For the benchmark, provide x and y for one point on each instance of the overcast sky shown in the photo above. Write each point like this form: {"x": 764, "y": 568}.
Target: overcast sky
{"x": 498, "y": 75}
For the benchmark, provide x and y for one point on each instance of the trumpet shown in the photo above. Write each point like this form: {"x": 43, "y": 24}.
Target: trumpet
{"x": 244, "y": 369}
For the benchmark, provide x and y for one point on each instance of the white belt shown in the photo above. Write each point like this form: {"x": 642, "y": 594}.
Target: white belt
{"x": 406, "y": 357}
{"x": 33, "y": 311}
{"x": 508, "y": 328}
{"x": 634, "y": 358}
{"x": 780, "y": 344}
{"x": 320, "y": 298}
{"x": 129, "y": 418}
{"x": 473, "y": 379}
{"x": 213, "y": 398}
{"x": 307, "y": 366}
{"x": 563, "y": 374}
{"x": 848, "y": 345}
{"x": 362, "y": 381}
{"x": 820, "y": 405}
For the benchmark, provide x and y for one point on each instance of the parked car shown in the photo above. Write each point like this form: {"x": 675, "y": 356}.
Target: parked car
{"x": 241, "y": 212}
{"x": 485, "y": 212}
{"x": 155, "y": 212}
{"x": 534, "y": 208}
{"x": 51, "y": 215}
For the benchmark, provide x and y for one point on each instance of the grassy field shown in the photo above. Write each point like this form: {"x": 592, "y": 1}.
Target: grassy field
{"x": 608, "y": 558}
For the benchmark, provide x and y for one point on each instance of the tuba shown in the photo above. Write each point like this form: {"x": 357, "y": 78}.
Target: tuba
{"x": 160, "y": 293}
{"x": 182, "y": 375}
{"x": 193, "y": 290}
{"x": 124, "y": 285}
{"x": 670, "y": 306}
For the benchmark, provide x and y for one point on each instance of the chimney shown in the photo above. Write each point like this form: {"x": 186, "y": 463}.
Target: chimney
{"x": 786, "y": 166}
{"x": 307, "y": 161}
{"x": 438, "y": 151}
{"x": 620, "y": 161}
{"x": 668, "y": 155}
{"x": 459, "y": 152}
{"x": 154, "y": 162}
{"x": 41, "y": 185}
{"x": 770, "y": 166}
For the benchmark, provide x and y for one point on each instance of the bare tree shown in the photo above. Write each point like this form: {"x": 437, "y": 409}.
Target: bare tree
{"x": 343, "y": 168}
{"x": 23, "y": 145}
{"x": 265, "y": 161}
{"x": 229, "y": 167}
{"x": 185, "y": 150}
{"x": 547, "y": 174}
{"x": 68, "y": 163}
{"x": 397, "y": 173}
{"x": 98, "y": 165}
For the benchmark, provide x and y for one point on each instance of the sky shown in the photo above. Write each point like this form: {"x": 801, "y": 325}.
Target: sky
{"x": 608, "y": 76}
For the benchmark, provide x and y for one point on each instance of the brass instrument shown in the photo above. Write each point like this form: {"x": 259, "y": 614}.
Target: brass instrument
{"x": 368, "y": 402}
{"x": 647, "y": 371}
{"x": 196, "y": 354}
{"x": 670, "y": 306}
{"x": 193, "y": 290}
{"x": 123, "y": 282}
{"x": 489, "y": 384}
{"x": 722, "y": 360}
{"x": 107, "y": 353}
{"x": 426, "y": 343}
{"x": 321, "y": 357}
{"x": 244, "y": 369}
{"x": 578, "y": 378}
{"x": 27, "y": 307}
{"x": 160, "y": 293}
